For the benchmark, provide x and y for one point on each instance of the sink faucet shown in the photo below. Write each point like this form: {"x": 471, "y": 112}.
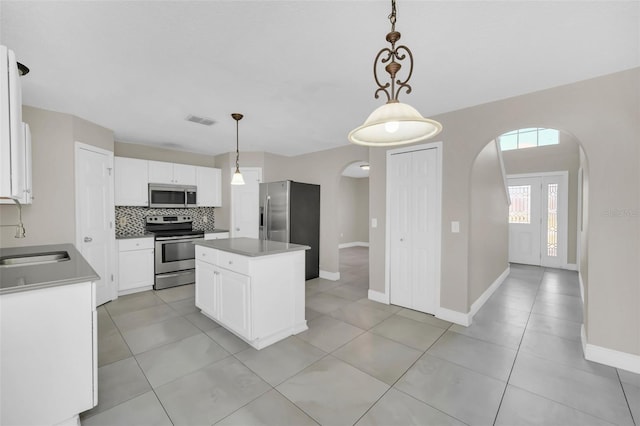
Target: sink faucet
{"x": 20, "y": 232}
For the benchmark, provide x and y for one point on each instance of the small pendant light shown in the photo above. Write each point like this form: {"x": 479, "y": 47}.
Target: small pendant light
{"x": 237, "y": 176}
{"x": 394, "y": 123}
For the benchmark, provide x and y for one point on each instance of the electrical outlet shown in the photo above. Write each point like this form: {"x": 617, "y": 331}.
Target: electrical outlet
{"x": 205, "y": 219}
{"x": 123, "y": 221}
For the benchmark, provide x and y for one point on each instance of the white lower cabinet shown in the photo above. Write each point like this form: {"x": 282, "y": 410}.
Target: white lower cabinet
{"x": 258, "y": 298}
{"x": 234, "y": 291}
{"x": 135, "y": 265}
{"x": 207, "y": 275}
{"x": 48, "y": 356}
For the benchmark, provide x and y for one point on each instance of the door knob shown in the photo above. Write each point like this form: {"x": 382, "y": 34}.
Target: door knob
{"x": 237, "y": 229}
{"x": 88, "y": 239}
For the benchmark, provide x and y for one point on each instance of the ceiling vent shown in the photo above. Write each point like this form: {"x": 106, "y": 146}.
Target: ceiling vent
{"x": 200, "y": 120}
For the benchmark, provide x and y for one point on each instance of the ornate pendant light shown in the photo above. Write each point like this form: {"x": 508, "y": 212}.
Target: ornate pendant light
{"x": 237, "y": 176}
{"x": 394, "y": 123}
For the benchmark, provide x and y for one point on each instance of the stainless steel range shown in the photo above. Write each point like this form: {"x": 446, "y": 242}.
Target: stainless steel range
{"x": 174, "y": 249}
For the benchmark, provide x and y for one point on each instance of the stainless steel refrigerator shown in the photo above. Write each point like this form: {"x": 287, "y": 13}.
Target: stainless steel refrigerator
{"x": 290, "y": 212}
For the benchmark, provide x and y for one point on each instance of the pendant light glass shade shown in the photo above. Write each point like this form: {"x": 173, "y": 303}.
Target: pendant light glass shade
{"x": 393, "y": 124}
{"x": 237, "y": 178}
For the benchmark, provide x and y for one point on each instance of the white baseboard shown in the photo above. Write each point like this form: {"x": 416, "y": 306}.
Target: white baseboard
{"x": 353, "y": 244}
{"x": 480, "y": 301}
{"x": 454, "y": 316}
{"x": 465, "y": 319}
{"x": 377, "y": 296}
{"x": 610, "y": 357}
{"x": 571, "y": 267}
{"x": 135, "y": 290}
{"x": 333, "y": 276}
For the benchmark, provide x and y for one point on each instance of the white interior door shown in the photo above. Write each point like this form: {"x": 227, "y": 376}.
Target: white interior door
{"x": 538, "y": 219}
{"x": 414, "y": 228}
{"x": 245, "y": 204}
{"x": 95, "y": 211}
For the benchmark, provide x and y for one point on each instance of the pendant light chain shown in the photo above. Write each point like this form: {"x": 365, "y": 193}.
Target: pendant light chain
{"x": 237, "y": 116}
{"x": 237, "y": 146}
{"x": 392, "y": 16}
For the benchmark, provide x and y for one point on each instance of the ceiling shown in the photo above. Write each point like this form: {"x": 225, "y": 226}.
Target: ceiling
{"x": 300, "y": 71}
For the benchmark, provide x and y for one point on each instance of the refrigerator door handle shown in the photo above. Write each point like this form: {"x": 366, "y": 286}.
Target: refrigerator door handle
{"x": 266, "y": 217}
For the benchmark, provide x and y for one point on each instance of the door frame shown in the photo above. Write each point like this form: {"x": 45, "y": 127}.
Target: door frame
{"x": 563, "y": 216}
{"x": 438, "y": 219}
{"x": 113, "y": 287}
{"x": 232, "y": 225}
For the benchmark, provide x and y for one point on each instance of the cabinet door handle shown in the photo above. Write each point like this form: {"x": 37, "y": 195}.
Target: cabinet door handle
{"x": 88, "y": 239}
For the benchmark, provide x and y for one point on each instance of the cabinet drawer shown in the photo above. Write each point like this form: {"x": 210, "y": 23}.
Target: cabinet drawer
{"x": 215, "y": 235}
{"x": 135, "y": 244}
{"x": 207, "y": 255}
{"x": 233, "y": 262}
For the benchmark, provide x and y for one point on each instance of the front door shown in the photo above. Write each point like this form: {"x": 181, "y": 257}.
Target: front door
{"x": 95, "y": 236}
{"x": 538, "y": 219}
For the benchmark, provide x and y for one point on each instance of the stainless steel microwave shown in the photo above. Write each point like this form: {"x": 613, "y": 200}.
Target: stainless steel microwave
{"x": 172, "y": 196}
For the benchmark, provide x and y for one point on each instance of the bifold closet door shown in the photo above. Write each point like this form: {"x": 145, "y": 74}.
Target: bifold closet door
{"x": 414, "y": 204}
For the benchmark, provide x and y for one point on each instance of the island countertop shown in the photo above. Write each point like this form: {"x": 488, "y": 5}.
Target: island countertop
{"x": 251, "y": 247}
{"x": 33, "y": 277}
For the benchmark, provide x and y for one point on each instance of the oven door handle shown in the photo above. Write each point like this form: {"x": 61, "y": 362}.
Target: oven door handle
{"x": 182, "y": 238}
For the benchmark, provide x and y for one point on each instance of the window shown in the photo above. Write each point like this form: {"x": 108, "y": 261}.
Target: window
{"x": 520, "y": 207}
{"x": 528, "y": 138}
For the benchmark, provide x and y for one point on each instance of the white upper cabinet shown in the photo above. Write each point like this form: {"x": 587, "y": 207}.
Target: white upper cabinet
{"x": 171, "y": 173}
{"x": 15, "y": 141}
{"x": 209, "y": 187}
{"x": 131, "y": 182}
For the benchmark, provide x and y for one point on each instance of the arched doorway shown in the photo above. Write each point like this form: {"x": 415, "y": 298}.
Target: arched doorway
{"x": 502, "y": 174}
{"x": 353, "y": 220}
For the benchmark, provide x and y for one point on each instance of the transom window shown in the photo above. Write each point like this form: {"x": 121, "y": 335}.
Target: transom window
{"x": 528, "y": 138}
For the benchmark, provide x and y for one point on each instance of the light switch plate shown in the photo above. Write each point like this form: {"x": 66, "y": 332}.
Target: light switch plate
{"x": 455, "y": 227}
{"x": 374, "y": 222}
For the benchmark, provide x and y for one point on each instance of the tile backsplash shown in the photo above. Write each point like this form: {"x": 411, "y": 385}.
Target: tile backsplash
{"x": 131, "y": 220}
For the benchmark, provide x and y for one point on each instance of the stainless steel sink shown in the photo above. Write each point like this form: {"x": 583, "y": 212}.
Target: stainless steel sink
{"x": 33, "y": 259}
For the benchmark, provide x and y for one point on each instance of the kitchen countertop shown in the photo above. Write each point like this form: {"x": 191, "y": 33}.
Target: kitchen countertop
{"x": 16, "y": 279}
{"x": 251, "y": 247}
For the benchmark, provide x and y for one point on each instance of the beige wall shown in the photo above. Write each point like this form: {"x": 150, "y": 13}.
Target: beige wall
{"x": 552, "y": 158}
{"x": 602, "y": 114}
{"x": 583, "y": 221}
{"x": 144, "y": 152}
{"x": 488, "y": 225}
{"x": 323, "y": 168}
{"x": 51, "y": 217}
{"x": 353, "y": 210}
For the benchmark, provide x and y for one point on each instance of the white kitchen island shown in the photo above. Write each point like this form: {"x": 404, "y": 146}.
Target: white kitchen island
{"x": 254, "y": 288}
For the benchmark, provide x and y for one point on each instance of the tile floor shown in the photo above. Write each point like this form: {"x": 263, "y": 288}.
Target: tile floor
{"x": 161, "y": 362}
